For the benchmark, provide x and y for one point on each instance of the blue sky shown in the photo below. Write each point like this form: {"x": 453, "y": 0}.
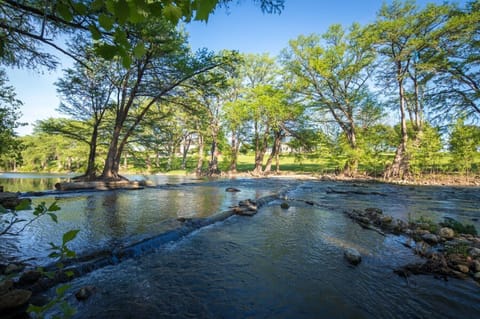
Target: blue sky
{"x": 243, "y": 27}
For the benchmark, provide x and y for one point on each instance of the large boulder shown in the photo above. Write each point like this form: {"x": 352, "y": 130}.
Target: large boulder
{"x": 352, "y": 256}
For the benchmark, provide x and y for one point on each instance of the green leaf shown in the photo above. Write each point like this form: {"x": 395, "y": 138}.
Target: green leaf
{"x": 53, "y": 217}
{"x": 54, "y": 207}
{"x": 96, "y": 34}
{"x": 106, "y": 21}
{"x": 122, "y": 11}
{"x": 34, "y": 309}
{"x": 156, "y": 9}
{"x": 106, "y": 51}
{"x": 70, "y": 273}
{"x": 172, "y": 13}
{"x": 126, "y": 61}
{"x": 23, "y": 205}
{"x": 70, "y": 235}
{"x": 97, "y": 4}
{"x": 70, "y": 253}
{"x": 53, "y": 255}
{"x": 139, "y": 50}
{"x": 80, "y": 8}
{"x": 3, "y": 210}
{"x": 61, "y": 290}
{"x": 120, "y": 37}
{"x": 204, "y": 8}
{"x": 64, "y": 11}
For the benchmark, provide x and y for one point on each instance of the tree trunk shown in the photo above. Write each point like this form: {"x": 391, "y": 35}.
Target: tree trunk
{"x": 213, "y": 163}
{"x": 186, "y": 147}
{"x": 90, "y": 173}
{"x": 274, "y": 153}
{"x": 400, "y": 167}
{"x": 351, "y": 166}
{"x": 260, "y": 150}
{"x": 234, "y": 148}
{"x": 112, "y": 162}
{"x": 200, "y": 156}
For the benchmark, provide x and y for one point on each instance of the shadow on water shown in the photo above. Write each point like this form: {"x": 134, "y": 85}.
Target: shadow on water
{"x": 278, "y": 264}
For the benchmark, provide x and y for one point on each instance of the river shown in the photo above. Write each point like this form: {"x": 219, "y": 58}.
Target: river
{"x": 280, "y": 263}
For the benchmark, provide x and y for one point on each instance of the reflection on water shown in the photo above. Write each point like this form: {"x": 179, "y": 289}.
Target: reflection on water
{"x": 277, "y": 264}
{"x": 30, "y": 182}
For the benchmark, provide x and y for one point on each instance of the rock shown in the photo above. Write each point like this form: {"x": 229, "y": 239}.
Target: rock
{"x": 431, "y": 238}
{"x": 476, "y": 276}
{"x": 29, "y": 277}
{"x": 446, "y": 232}
{"x": 14, "y": 299}
{"x": 476, "y": 265}
{"x": 373, "y": 210}
{"x": 13, "y": 268}
{"x": 463, "y": 268}
{"x": 85, "y": 292}
{"x": 5, "y": 286}
{"x": 232, "y": 190}
{"x": 352, "y": 256}
{"x": 474, "y": 252}
{"x": 284, "y": 205}
{"x": 387, "y": 219}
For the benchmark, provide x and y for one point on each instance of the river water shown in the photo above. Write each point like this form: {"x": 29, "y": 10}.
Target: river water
{"x": 277, "y": 264}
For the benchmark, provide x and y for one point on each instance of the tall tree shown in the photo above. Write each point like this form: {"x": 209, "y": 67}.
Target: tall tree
{"x": 331, "y": 73}
{"x": 9, "y": 118}
{"x": 406, "y": 39}
{"x": 153, "y": 75}
{"x": 457, "y": 83}
{"x": 86, "y": 95}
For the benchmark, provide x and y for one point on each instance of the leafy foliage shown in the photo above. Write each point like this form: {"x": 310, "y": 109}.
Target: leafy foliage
{"x": 13, "y": 224}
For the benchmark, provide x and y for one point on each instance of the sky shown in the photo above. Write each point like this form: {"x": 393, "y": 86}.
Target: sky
{"x": 242, "y": 27}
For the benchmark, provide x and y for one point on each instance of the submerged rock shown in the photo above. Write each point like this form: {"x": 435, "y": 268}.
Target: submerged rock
{"x": 284, "y": 205}
{"x": 5, "y": 286}
{"x": 30, "y": 277}
{"x": 14, "y": 299}
{"x": 85, "y": 292}
{"x": 232, "y": 190}
{"x": 352, "y": 256}
{"x": 13, "y": 268}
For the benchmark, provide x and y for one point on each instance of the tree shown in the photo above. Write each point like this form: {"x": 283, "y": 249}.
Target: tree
{"x": 331, "y": 72}
{"x": 151, "y": 77}
{"x": 464, "y": 144}
{"x": 457, "y": 84}
{"x": 407, "y": 40}
{"x": 26, "y": 27}
{"x": 9, "y": 120}
{"x": 86, "y": 94}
